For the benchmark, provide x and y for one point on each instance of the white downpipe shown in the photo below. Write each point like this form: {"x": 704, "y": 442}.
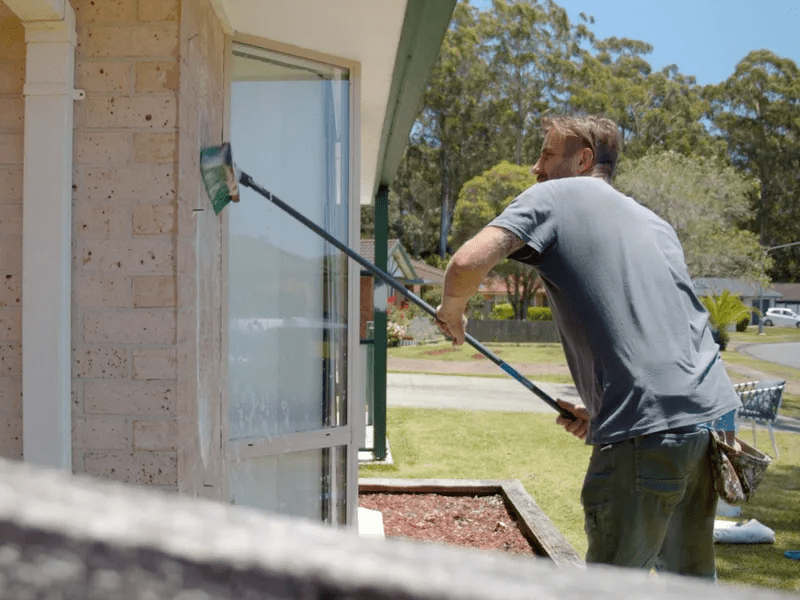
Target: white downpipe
{"x": 46, "y": 239}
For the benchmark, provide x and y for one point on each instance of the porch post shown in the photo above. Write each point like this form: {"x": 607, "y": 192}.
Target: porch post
{"x": 379, "y": 345}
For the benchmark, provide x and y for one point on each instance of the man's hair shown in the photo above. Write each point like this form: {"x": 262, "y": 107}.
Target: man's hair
{"x": 598, "y": 134}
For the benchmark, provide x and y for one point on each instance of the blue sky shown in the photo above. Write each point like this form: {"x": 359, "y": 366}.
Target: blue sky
{"x": 705, "y": 38}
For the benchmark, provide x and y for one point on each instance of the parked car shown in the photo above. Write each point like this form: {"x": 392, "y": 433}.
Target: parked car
{"x": 783, "y": 317}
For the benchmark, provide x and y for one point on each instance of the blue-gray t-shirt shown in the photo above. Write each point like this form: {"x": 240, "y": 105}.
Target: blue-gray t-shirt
{"x": 634, "y": 332}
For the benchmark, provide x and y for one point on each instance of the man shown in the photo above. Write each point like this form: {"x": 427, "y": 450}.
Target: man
{"x": 637, "y": 342}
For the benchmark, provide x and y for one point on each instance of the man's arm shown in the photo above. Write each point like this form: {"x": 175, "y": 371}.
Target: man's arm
{"x": 465, "y": 272}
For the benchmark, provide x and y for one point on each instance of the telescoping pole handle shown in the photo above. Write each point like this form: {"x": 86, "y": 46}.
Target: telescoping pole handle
{"x": 248, "y": 181}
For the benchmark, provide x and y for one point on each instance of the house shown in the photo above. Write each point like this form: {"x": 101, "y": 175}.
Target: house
{"x": 144, "y": 338}
{"x": 749, "y": 293}
{"x": 790, "y": 295}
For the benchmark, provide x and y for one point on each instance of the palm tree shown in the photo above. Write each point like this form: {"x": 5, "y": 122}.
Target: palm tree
{"x": 724, "y": 310}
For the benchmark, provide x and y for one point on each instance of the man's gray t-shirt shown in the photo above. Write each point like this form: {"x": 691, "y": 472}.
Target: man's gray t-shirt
{"x": 634, "y": 332}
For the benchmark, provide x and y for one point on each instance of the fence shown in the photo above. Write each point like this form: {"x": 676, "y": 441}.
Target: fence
{"x": 514, "y": 331}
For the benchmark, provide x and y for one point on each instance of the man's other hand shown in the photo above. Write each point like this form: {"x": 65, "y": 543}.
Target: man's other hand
{"x": 580, "y": 426}
{"x": 451, "y": 320}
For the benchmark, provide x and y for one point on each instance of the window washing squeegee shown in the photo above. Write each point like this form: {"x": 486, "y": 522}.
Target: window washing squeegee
{"x": 222, "y": 178}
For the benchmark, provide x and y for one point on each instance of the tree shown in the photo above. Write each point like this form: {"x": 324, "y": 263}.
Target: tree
{"x": 757, "y": 112}
{"x": 706, "y": 202}
{"x": 655, "y": 110}
{"x": 483, "y": 198}
{"x": 528, "y": 46}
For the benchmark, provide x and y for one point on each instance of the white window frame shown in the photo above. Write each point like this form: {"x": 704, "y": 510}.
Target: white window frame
{"x": 349, "y": 434}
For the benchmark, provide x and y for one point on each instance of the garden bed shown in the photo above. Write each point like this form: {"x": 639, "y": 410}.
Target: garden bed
{"x": 484, "y": 514}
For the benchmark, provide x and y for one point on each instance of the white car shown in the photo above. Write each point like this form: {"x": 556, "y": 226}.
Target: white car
{"x": 782, "y": 317}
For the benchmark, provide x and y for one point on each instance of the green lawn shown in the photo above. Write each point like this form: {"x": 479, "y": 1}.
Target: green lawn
{"x": 550, "y": 463}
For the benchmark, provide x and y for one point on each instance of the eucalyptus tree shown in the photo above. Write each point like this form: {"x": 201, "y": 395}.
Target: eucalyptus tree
{"x": 757, "y": 112}
{"x": 706, "y": 201}
{"x": 528, "y": 46}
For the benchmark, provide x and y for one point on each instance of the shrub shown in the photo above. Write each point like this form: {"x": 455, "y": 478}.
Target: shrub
{"x": 743, "y": 323}
{"x": 540, "y": 313}
{"x": 502, "y": 312}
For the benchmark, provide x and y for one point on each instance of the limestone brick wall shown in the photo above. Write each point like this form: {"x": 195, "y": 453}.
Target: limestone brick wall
{"x": 12, "y": 112}
{"x": 202, "y": 364}
{"x": 138, "y": 367}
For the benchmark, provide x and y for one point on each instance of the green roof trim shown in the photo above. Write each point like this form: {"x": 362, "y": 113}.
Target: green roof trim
{"x": 424, "y": 26}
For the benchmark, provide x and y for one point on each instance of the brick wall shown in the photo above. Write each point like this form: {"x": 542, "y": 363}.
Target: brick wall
{"x": 202, "y": 365}
{"x": 135, "y": 369}
{"x": 12, "y": 79}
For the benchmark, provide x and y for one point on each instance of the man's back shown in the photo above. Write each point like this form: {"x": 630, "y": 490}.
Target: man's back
{"x": 634, "y": 332}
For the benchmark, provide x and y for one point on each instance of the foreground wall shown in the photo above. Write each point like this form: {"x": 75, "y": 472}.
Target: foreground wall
{"x": 72, "y": 538}
{"x": 12, "y": 114}
{"x": 146, "y": 334}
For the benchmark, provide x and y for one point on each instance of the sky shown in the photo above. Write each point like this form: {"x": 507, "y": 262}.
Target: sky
{"x": 705, "y": 38}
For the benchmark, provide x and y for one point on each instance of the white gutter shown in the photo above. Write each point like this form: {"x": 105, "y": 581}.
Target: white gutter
{"x": 49, "y": 93}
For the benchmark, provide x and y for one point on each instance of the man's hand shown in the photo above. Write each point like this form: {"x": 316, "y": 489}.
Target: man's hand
{"x": 450, "y": 318}
{"x": 580, "y": 426}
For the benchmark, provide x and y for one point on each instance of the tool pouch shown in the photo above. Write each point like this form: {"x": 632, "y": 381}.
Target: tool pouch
{"x": 738, "y": 470}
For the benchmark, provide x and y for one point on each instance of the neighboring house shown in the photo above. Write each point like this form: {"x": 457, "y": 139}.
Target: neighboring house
{"x": 145, "y": 339}
{"x": 495, "y": 291}
{"x": 790, "y": 295}
{"x": 750, "y": 294}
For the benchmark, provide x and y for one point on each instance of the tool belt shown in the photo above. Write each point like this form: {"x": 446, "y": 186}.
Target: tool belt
{"x": 738, "y": 470}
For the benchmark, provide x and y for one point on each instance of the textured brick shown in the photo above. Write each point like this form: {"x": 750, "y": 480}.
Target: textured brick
{"x": 10, "y": 219}
{"x": 142, "y": 112}
{"x": 101, "y": 220}
{"x": 104, "y": 11}
{"x": 154, "y": 219}
{"x": 133, "y": 257}
{"x": 155, "y": 147}
{"x": 140, "y": 183}
{"x": 12, "y": 114}
{"x": 12, "y": 76}
{"x": 154, "y": 468}
{"x": 11, "y": 395}
{"x": 101, "y": 290}
{"x": 158, "y": 10}
{"x": 103, "y": 76}
{"x": 10, "y": 359}
{"x": 155, "y": 363}
{"x": 126, "y": 397}
{"x": 11, "y": 148}
{"x": 11, "y": 253}
{"x": 137, "y": 326}
{"x": 155, "y": 435}
{"x": 136, "y": 41}
{"x": 102, "y": 148}
{"x": 10, "y": 289}
{"x": 103, "y": 433}
{"x": 157, "y": 77}
{"x": 10, "y": 429}
{"x": 11, "y": 324}
{"x": 99, "y": 362}
{"x": 11, "y": 185}
{"x": 154, "y": 291}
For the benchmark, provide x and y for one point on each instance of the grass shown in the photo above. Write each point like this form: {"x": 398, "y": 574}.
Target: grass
{"x": 456, "y": 444}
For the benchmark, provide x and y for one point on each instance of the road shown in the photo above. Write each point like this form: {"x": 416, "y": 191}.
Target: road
{"x": 786, "y": 353}
{"x": 422, "y": 390}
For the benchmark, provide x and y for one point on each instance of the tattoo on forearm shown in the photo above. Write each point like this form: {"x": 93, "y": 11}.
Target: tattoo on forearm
{"x": 509, "y": 243}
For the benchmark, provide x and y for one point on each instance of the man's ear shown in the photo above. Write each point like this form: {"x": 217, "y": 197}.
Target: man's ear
{"x": 586, "y": 161}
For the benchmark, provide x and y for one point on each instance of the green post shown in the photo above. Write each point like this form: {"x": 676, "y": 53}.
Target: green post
{"x": 381, "y": 295}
